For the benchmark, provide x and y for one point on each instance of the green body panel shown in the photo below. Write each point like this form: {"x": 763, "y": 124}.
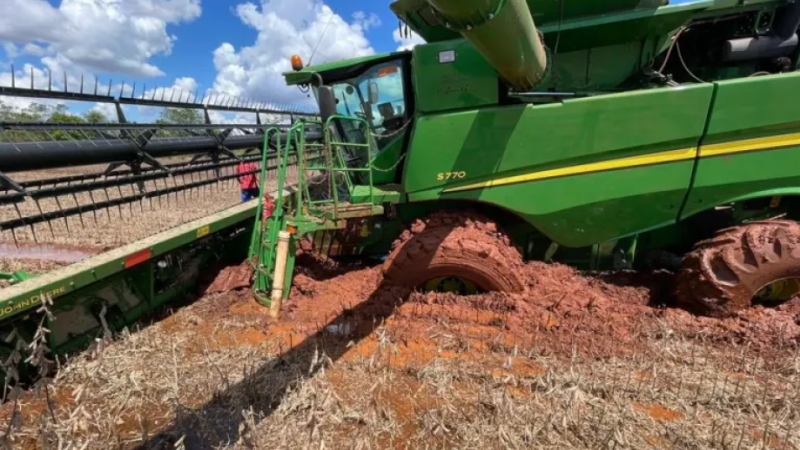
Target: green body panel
{"x": 493, "y": 143}
{"x": 386, "y": 164}
{"x": 503, "y": 32}
{"x": 468, "y": 82}
{"x": 746, "y": 109}
{"x": 589, "y": 32}
{"x": 417, "y": 13}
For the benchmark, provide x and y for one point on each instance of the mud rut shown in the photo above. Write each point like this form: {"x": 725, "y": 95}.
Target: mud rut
{"x": 602, "y": 314}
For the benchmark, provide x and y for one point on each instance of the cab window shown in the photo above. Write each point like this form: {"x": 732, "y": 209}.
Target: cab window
{"x": 376, "y": 96}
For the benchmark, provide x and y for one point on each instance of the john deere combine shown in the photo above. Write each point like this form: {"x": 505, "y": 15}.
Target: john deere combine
{"x": 622, "y": 134}
{"x": 607, "y": 135}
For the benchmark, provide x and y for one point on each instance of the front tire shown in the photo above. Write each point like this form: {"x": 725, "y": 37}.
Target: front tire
{"x": 464, "y": 254}
{"x": 754, "y": 263}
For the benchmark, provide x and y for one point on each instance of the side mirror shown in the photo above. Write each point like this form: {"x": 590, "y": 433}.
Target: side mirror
{"x": 374, "y": 92}
{"x": 327, "y": 102}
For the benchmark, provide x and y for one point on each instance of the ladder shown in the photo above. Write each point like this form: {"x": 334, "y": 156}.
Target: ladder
{"x": 306, "y": 209}
{"x": 263, "y": 245}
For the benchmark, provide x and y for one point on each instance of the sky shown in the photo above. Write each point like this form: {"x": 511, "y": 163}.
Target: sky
{"x": 218, "y": 47}
{"x": 221, "y": 47}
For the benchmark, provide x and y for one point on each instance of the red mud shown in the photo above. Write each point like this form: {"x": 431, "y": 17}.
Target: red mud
{"x": 231, "y": 278}
{"x": 562, "y": 310}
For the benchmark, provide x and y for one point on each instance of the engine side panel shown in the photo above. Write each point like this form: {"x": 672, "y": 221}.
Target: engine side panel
{"x": 752, "y": 148}
{"x": 583, "y": 172}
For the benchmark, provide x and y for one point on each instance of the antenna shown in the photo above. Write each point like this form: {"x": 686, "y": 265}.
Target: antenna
{"x": 311, "y": 58}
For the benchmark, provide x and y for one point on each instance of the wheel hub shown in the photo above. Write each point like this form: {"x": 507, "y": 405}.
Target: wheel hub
{"x": 778, "y": 291}
{"x": 450, "y": 284}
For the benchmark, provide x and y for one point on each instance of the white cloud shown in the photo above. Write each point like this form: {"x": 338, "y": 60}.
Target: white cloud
{"x": 113, "y": 36}
{"x": 407, "y": 43}
{"x": 286, "y": 28}
{"x": 366, "y": 21}
{"x": 106, "y": 109}
{"x": 11, "y": 50}
{"x": 22, "y": 79}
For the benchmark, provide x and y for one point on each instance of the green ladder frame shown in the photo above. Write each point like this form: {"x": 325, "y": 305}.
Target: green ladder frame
{"x": 303, "y": 214}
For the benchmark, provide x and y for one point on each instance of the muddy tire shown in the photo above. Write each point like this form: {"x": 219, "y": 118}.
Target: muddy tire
{"x": 723, "y": 275}
{"x": 451, "y": 245}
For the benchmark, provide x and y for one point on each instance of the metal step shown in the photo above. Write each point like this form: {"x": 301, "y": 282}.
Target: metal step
{"x": 349, "y": 210}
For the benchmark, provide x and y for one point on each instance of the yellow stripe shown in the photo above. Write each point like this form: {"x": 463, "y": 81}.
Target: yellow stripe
{"x": 633, "y": 161}
{"x": 749, "y": 145}
{"x": 745, "y": 145}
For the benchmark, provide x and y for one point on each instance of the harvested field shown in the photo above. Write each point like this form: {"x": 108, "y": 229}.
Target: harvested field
{"x": 574, "y": 362}
{"x": 118, "y": 225}
{"x": 113, "y": 227}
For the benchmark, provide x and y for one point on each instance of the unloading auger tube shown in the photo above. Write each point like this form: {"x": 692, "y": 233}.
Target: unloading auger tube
{"x": 504, "y": 32}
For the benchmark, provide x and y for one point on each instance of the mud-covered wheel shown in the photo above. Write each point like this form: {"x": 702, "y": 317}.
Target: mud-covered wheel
{"x": 446, "y": 252}
{"x": 757, "y": 263}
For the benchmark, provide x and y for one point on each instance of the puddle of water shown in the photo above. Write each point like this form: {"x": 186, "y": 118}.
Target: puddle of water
{"x": 42, "y": 252}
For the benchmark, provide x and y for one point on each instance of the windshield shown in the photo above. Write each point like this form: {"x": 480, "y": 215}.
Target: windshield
{"x": 376, "y": 96}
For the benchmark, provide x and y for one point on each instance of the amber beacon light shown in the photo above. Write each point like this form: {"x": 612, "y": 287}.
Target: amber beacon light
{"x": 297, "y": 63}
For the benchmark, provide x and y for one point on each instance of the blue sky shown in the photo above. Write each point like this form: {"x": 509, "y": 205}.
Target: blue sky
{"x": 219, "y": 23}
{"x": 227, "y": 47}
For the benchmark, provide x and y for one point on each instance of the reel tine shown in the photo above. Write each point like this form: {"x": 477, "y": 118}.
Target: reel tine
{"x": 183, "y": 191}
{"x": 119, "y": 206}
{"x": 49, "y": 222}
{"x": 22, "y": 217}
{"x": 108, "y": 198}
{"x": 14, "y": 235}
{"x": 94, "y": 207}
{"x": 63, "y": 216}
{"x": 80, "y": 210}
{"x": 160, "y": 206}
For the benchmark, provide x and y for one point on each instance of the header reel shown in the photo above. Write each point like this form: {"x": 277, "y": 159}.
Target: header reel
{"x": 126, "y": 163}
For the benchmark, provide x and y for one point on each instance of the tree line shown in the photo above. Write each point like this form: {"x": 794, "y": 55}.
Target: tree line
{"x": 41, "y": 113}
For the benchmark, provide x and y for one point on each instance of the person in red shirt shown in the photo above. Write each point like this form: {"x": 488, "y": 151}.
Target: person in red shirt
{"x": 248, "y": 181}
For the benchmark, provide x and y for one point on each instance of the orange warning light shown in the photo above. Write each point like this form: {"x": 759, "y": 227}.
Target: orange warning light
{"x": 387, "y": 71}
{"x": 297, "y": 63}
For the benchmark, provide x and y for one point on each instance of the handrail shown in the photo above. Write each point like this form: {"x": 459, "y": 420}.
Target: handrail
{"x": 343, "y": 168}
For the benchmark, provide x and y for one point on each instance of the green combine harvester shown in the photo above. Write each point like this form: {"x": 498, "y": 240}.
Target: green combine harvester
{"x": 608, "y": 135}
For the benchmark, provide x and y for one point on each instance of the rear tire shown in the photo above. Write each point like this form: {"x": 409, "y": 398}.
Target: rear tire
{"x": 449, "y": 247}
{"x": 723, "y": 275}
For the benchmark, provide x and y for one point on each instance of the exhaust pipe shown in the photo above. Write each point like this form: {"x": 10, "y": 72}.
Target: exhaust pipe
{"x": 503, "y": 32}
